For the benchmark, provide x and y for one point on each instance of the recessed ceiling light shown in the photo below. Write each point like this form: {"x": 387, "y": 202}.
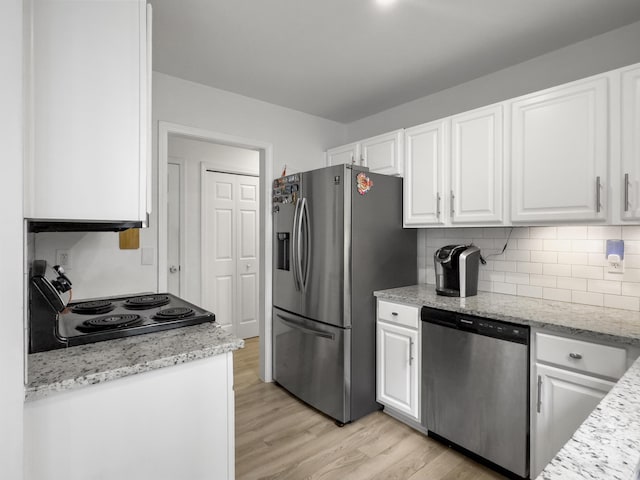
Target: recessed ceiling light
{"x": 385, "y": 3}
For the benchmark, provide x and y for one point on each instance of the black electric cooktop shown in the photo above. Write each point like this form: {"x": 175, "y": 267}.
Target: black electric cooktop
{"x": 108, "y": 318}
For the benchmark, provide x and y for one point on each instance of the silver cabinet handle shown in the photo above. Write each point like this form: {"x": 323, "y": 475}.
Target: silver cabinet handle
{"x": 626, "y": 192}
{"x": 453, "y": 197}
{"x": 410, "y": 352}
{"x": 598, "y": 188}
{"x": 438, "y": 205}
{"x": 539, "y": 402}
{"x": 575, "y": 356}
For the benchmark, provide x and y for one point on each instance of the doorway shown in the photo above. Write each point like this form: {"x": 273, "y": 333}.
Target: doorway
{"x": 264, "y": 150}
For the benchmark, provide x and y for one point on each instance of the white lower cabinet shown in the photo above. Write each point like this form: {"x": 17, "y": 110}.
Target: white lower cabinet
{"x": 398, "y": 359}
{"x": 570, "y": 377}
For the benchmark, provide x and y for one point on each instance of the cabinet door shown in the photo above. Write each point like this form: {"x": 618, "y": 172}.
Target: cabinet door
{"x": 559, "y": 153}
{"x": 345, "y": 154}
{"x": 89, "y": 88}
{"x": 565, "y": 400}
{"x": 423, "y": 187}
{"x": 383, "y": 153}
{"x": 397, "y": 368}
{"x": 476, "y": 166}
{"x": 630, "y": 173}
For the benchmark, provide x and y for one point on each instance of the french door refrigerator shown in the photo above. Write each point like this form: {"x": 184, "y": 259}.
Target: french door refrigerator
{"x": 338, "y": 236}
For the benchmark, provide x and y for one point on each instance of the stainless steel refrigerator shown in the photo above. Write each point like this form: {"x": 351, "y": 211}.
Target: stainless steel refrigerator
{"x": 338, "y": 236}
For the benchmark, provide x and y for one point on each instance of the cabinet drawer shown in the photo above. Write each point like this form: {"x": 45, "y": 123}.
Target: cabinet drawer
{"x": 585, "y": 356}
{"x": 398, "y": 313}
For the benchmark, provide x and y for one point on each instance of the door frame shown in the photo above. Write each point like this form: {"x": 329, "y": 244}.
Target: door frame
{"x": 165, "y": 129}
{"x": 183, "y": 221}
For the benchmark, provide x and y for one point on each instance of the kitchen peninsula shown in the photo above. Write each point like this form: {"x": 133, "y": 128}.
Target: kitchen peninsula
{"x": 154, "y": 406}
{"x": 606, "y": 444}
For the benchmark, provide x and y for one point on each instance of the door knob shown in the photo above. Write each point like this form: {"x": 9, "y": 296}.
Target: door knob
{"x": 248, "y": 266}
{"x": 173, "y": 269}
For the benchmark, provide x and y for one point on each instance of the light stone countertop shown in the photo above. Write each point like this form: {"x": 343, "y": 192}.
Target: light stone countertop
{"x": 75, "y": 367}
{"x": 607, "y": 444}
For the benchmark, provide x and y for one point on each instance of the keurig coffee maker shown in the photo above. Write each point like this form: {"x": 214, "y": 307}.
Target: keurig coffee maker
{"x": 457, "y": 270}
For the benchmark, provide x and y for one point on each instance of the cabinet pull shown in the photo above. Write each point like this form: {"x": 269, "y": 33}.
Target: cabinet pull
{"x": 598, "y": 187}
{"x": 362, "y": 161}
{"x": 453, "y": 197}
{"x": 626, "y": 192}
{"x": 353, "y": 159}
{"x": 539, "y": 402}
{"x": 575, "y": 356}
{"x": 395, "y": 314}
{"x": 410, "y": 352}
{"x": 437, "y": 205}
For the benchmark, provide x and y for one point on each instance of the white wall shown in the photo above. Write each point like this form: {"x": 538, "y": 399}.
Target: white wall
{"x": 596, "y": 55}
{"x": 564, "y": 263}
{"x": 11, "y": 241}
{"x": 99, "y": 267}
{"x": 222, "y": 157}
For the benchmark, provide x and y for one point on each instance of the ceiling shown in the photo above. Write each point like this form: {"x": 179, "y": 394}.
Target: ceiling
{"x": 347, "y": 59}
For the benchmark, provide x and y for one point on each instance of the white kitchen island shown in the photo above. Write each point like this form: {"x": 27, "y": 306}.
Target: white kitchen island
{"x": 156, "y": 406}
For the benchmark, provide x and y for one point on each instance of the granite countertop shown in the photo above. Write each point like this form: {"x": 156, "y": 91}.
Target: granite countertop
{"x": 75, "y": 367}
{"x": 607, "y": 444}
{"x": 599, "y": 323}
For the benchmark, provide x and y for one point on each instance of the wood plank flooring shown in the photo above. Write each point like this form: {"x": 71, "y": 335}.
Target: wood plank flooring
{"x": 279, "y": 437}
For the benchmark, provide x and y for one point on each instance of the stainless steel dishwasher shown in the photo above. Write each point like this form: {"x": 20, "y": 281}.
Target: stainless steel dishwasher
{"x": 475, "y": 380}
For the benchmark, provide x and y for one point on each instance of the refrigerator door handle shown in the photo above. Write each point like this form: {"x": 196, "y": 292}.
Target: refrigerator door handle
{"x": 297, "y": 266}
{"x": 311, "y": 331}
{"x": 304, "y": 217}
{"x": 294, "y": 246}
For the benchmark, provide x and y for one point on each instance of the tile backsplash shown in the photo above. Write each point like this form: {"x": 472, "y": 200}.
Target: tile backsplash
{"x": 565, "y": 263}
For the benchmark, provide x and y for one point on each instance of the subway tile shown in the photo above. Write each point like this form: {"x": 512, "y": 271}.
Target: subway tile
{"x": 517, "y": 255}
{"x": 630, "y": 289}
{"x": 543, "y": 280}
{"x": 495, "y": 276}
{"x": 522, "y": 278}
{"x": 604, "y": 286}
{"x": 618, "y": 301}
{"x": 500, "y": 266}
{"x": 543, "y": 232}
{"x": 484, "y": 275}
{"x": 544, "y": 257}
{"x": 525, "y": 267}
{"x": 557, "y": 245}
{"x": 570, "y": 283}
{"x": 631, "y": 232}
{"x": 431, "y": 277}
{"x": 615, "y": 276}
{"x": 483, "y": 243}
{"x": 585, "y": 271}
{"x": 529, "y": 244}
{"x": 436, "y": 232}
{"x": 556, "y": 294}
{"x": 506, "y": 288}
{"x": 573, "y": 258}
{"x": 556, "y": 269}
{"x": 571, "y": 232}
{"x": 593, "y": 246}
{"x": 631, "y": 275}
{"x": 632, "y": 261}
{"x": 599, "y": 232}
{"x": 468, "y": 232}
{"x": 587, "y": 298}
{"x": 519, "y": 232}
{"x": 494, "y": 232}
{"x": 529, "y": 291}
{"x": 484, "y": 286}
{"x": 631, "y": 247}
{"x": 596, "y": 259}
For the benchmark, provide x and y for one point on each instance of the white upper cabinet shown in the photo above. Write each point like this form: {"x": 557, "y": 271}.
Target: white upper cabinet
{"x": 559, "y": 153}
{"x": 629, "y": 180}
{"x": 476, "y": 166}
{"x": 426, "y": 154}
{"x": 345, "y": 154}
{"x": 90, "y": 97}
{"x": 382, "y": 153}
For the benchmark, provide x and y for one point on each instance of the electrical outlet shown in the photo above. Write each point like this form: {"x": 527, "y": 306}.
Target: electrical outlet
{"x": 616, "y": 267}
{"x": 63, "y": 258}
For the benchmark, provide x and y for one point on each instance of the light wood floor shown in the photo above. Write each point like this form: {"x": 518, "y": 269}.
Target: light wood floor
{"x": 279, "y": 437}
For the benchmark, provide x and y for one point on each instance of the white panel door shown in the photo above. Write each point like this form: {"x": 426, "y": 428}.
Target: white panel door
{"x": 565, "y": 400}
{"x": 397, "y": 368}
{"x": 231, "y": 251}
{"x": 248, "y": 242}
{"x": 426, "y": 154}
{"x": 560, "y": 153}
{"x": 476, "y": 166}
{"x": 173, "y": 228}
{"x": 631, "y": 144}
{"x": 344, "y": 154}
{"x": 383, "y": 153}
